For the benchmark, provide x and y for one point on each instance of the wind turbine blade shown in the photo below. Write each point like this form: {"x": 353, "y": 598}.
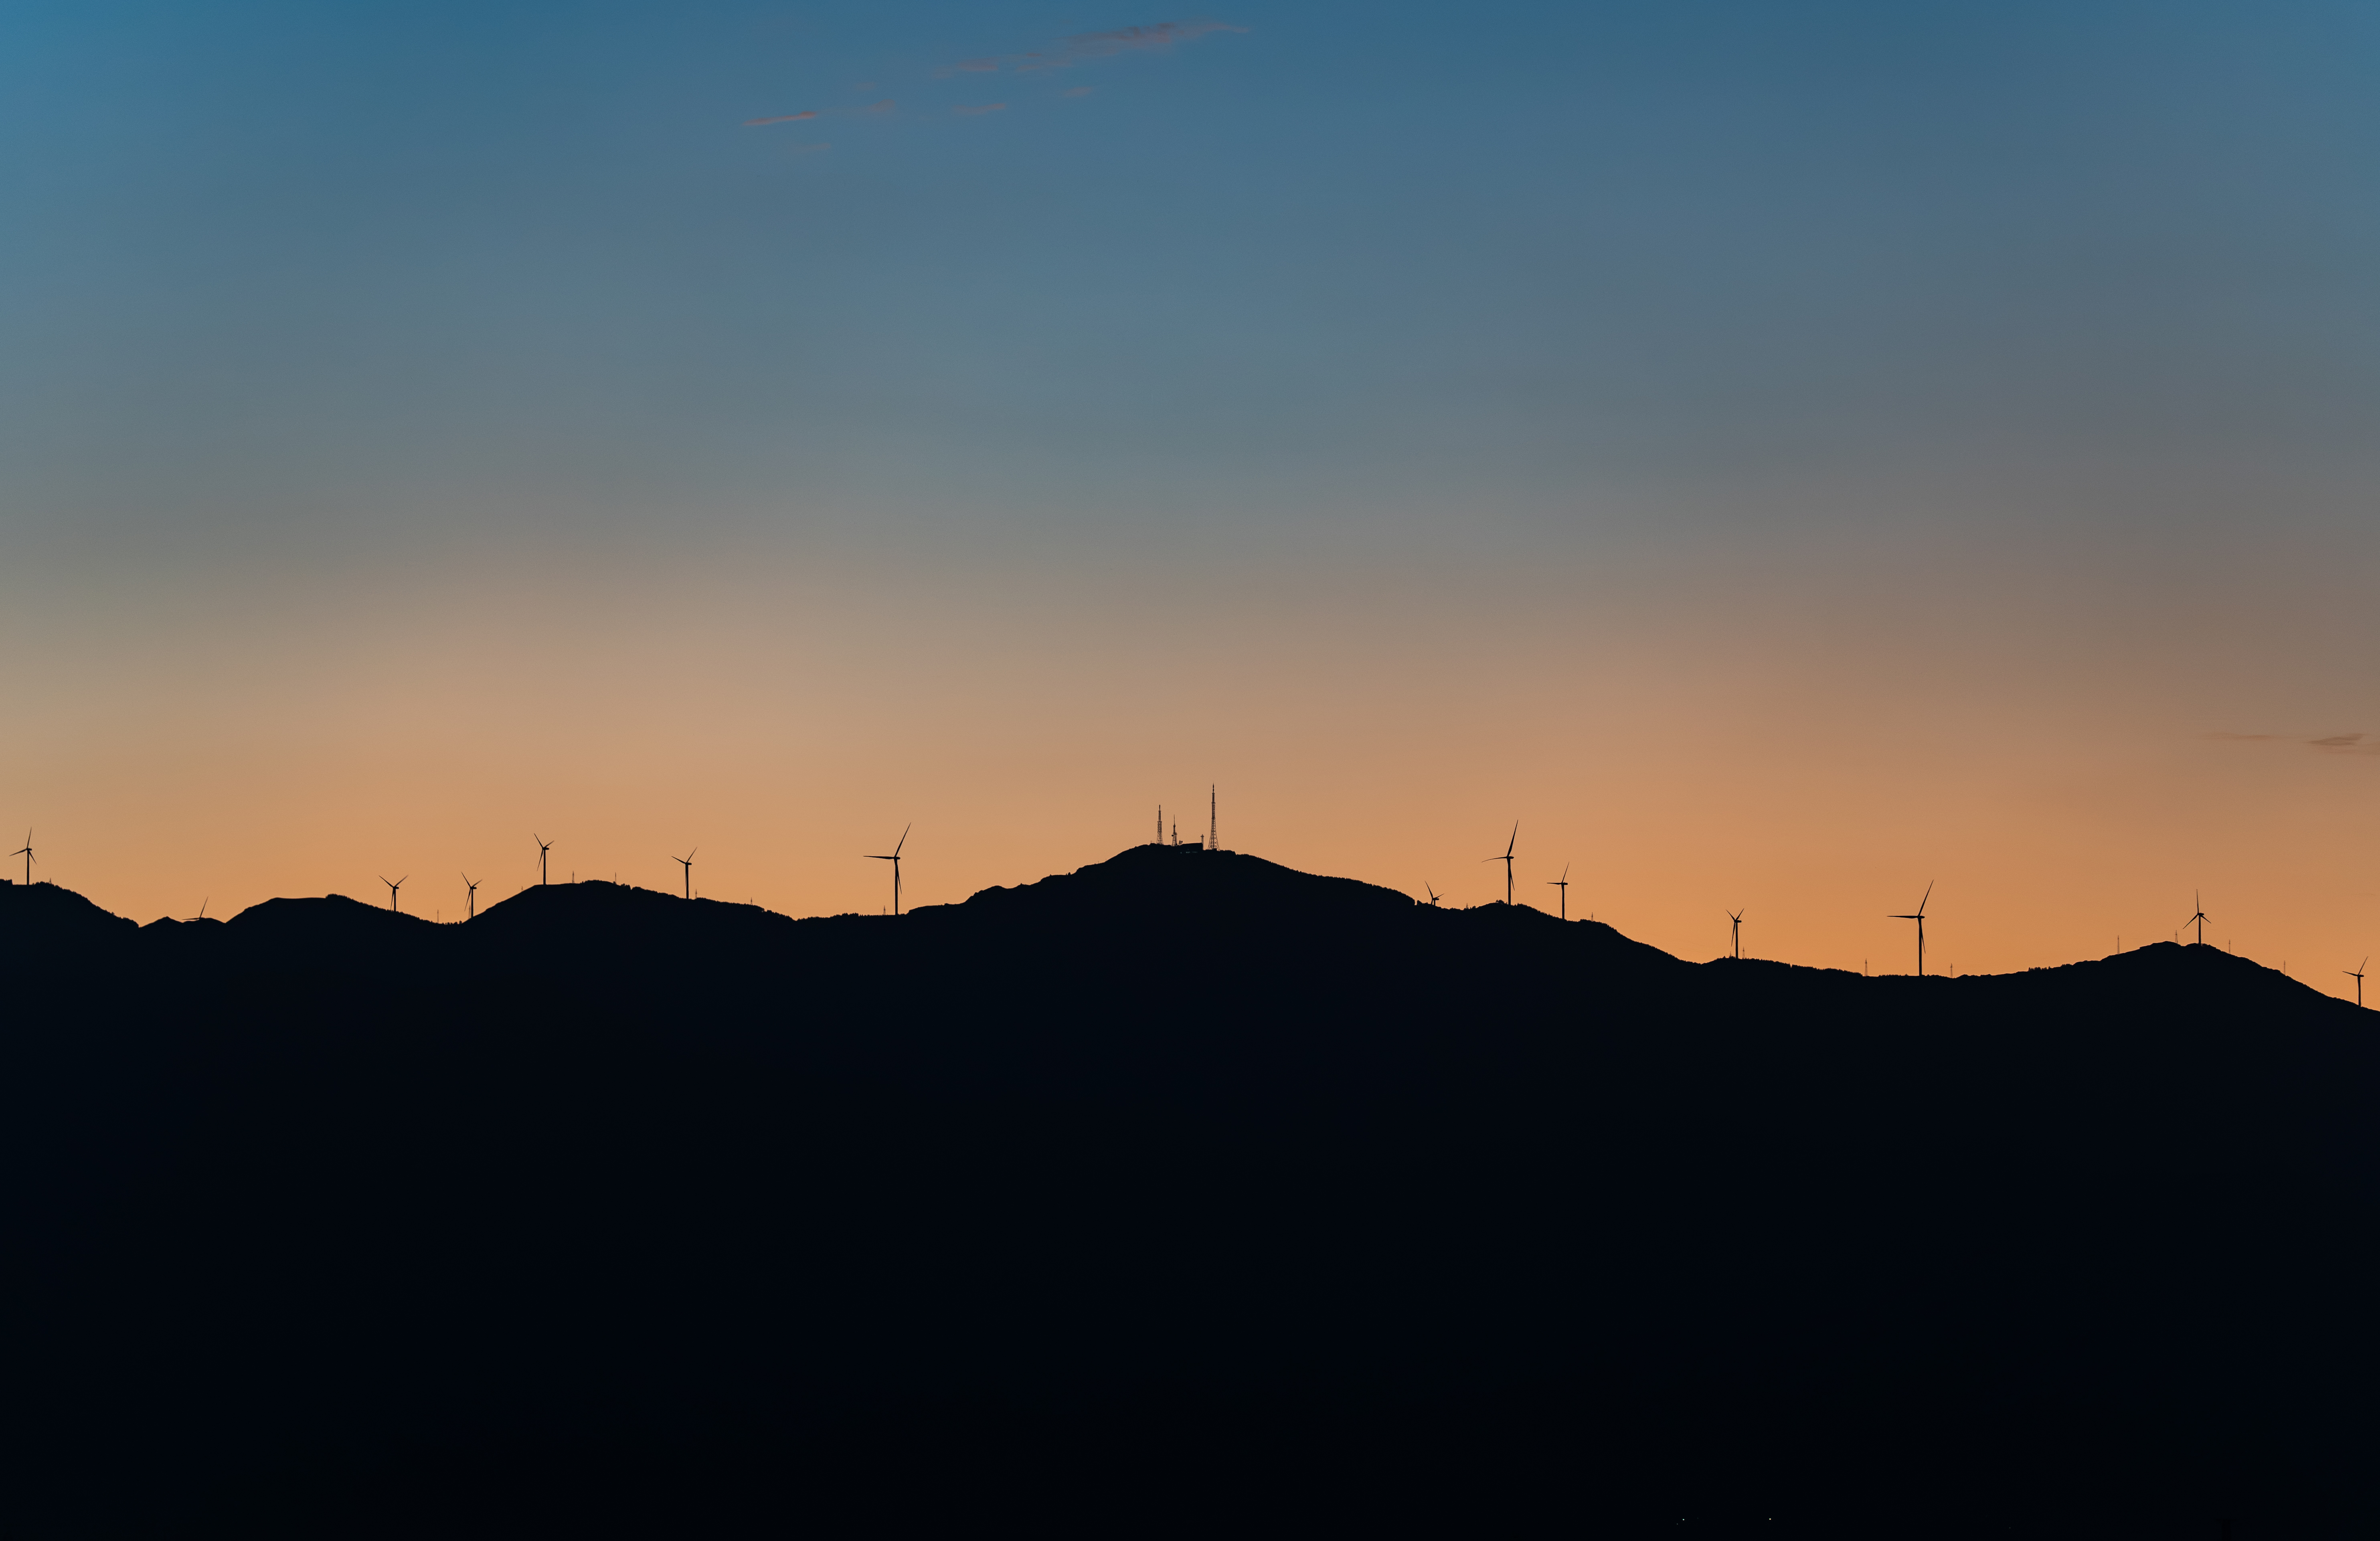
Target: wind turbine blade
{"x": 1515, "y": 839}
{"x": 904, "y": 838}
{"x": 1930, "y": 893}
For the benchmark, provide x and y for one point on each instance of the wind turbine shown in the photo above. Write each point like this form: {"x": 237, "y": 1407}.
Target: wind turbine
{"x": 686, "y": 861}
{"x": 392, "y": 887}
{"x": 1433, "y": 894}
{"x": 543, "y": 846}
{"x": 471, "y": 894}
{"x": 1507, "y": 859}
{"x": 895, "y": 859}
{"x": 1561, "y": 882}
{"x": 2356, "y": 974}
{"x": 2199, "y": 918}
{"x": 28, "y": 854}
{"x": 1735, "y": 931}
{"x": 1919, "y": 918}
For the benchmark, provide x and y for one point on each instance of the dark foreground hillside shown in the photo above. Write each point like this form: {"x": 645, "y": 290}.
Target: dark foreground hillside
{"x": 1183, "y": 1188}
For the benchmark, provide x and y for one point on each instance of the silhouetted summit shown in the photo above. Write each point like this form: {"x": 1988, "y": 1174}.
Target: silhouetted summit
{"x": 44, "y": 918}
{"x": 1162, "y": 1165}
{"x": 1171, "y": 883}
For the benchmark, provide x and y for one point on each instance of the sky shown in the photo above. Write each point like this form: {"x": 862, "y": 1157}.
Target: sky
{"x": 1781, "y": 456}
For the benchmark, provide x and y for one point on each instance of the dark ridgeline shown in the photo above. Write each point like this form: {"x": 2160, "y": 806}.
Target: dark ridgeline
{"x": 1153, "y": 1183}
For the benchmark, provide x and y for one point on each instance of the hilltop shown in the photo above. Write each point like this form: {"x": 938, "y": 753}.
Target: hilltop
{"x": 1183, "y": 1151}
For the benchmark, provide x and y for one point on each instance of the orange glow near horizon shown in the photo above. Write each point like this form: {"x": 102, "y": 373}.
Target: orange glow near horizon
{"x": 1809, "y": 740}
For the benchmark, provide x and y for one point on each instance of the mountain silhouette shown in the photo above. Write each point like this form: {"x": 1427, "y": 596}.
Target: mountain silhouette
{"x": 1182, "y": 1174}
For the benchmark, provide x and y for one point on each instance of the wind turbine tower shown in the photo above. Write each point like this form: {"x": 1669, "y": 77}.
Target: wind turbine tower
{"x": 392, "y": 887}
{"x": 1735, "y": 932}
{"x": 1919, "y": 918}
{"x": 686, "y": 861}
{"x": 2198, "y": 918}
{"x": 1431, "y": 891}
{"x": 2356, "y": 974}
{"x": 471, "y": 897}
{"x": 1561, "y": 882}
{"x": 895, "y": 859}
{"x": 1507, "y": 859}
{"x": 28, "y": 854}
{"x": 543, "y": 846}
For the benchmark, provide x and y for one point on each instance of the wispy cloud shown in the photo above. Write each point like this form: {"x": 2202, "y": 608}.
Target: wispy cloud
{"x": 1159, "y": 37}
{"x": 2334, "y": 744}
{"x": 1081, "y": 48}
{"x": 1126, "y": 40}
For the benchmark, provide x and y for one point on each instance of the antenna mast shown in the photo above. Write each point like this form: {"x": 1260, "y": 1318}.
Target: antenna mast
{"x": 1212, "y": 844}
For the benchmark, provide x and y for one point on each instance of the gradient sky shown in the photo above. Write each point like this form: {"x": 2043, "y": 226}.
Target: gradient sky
{"x": 1781, "y": 455}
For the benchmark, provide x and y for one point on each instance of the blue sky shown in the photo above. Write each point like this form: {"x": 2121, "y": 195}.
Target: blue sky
{"x": 1354, "y": 253}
